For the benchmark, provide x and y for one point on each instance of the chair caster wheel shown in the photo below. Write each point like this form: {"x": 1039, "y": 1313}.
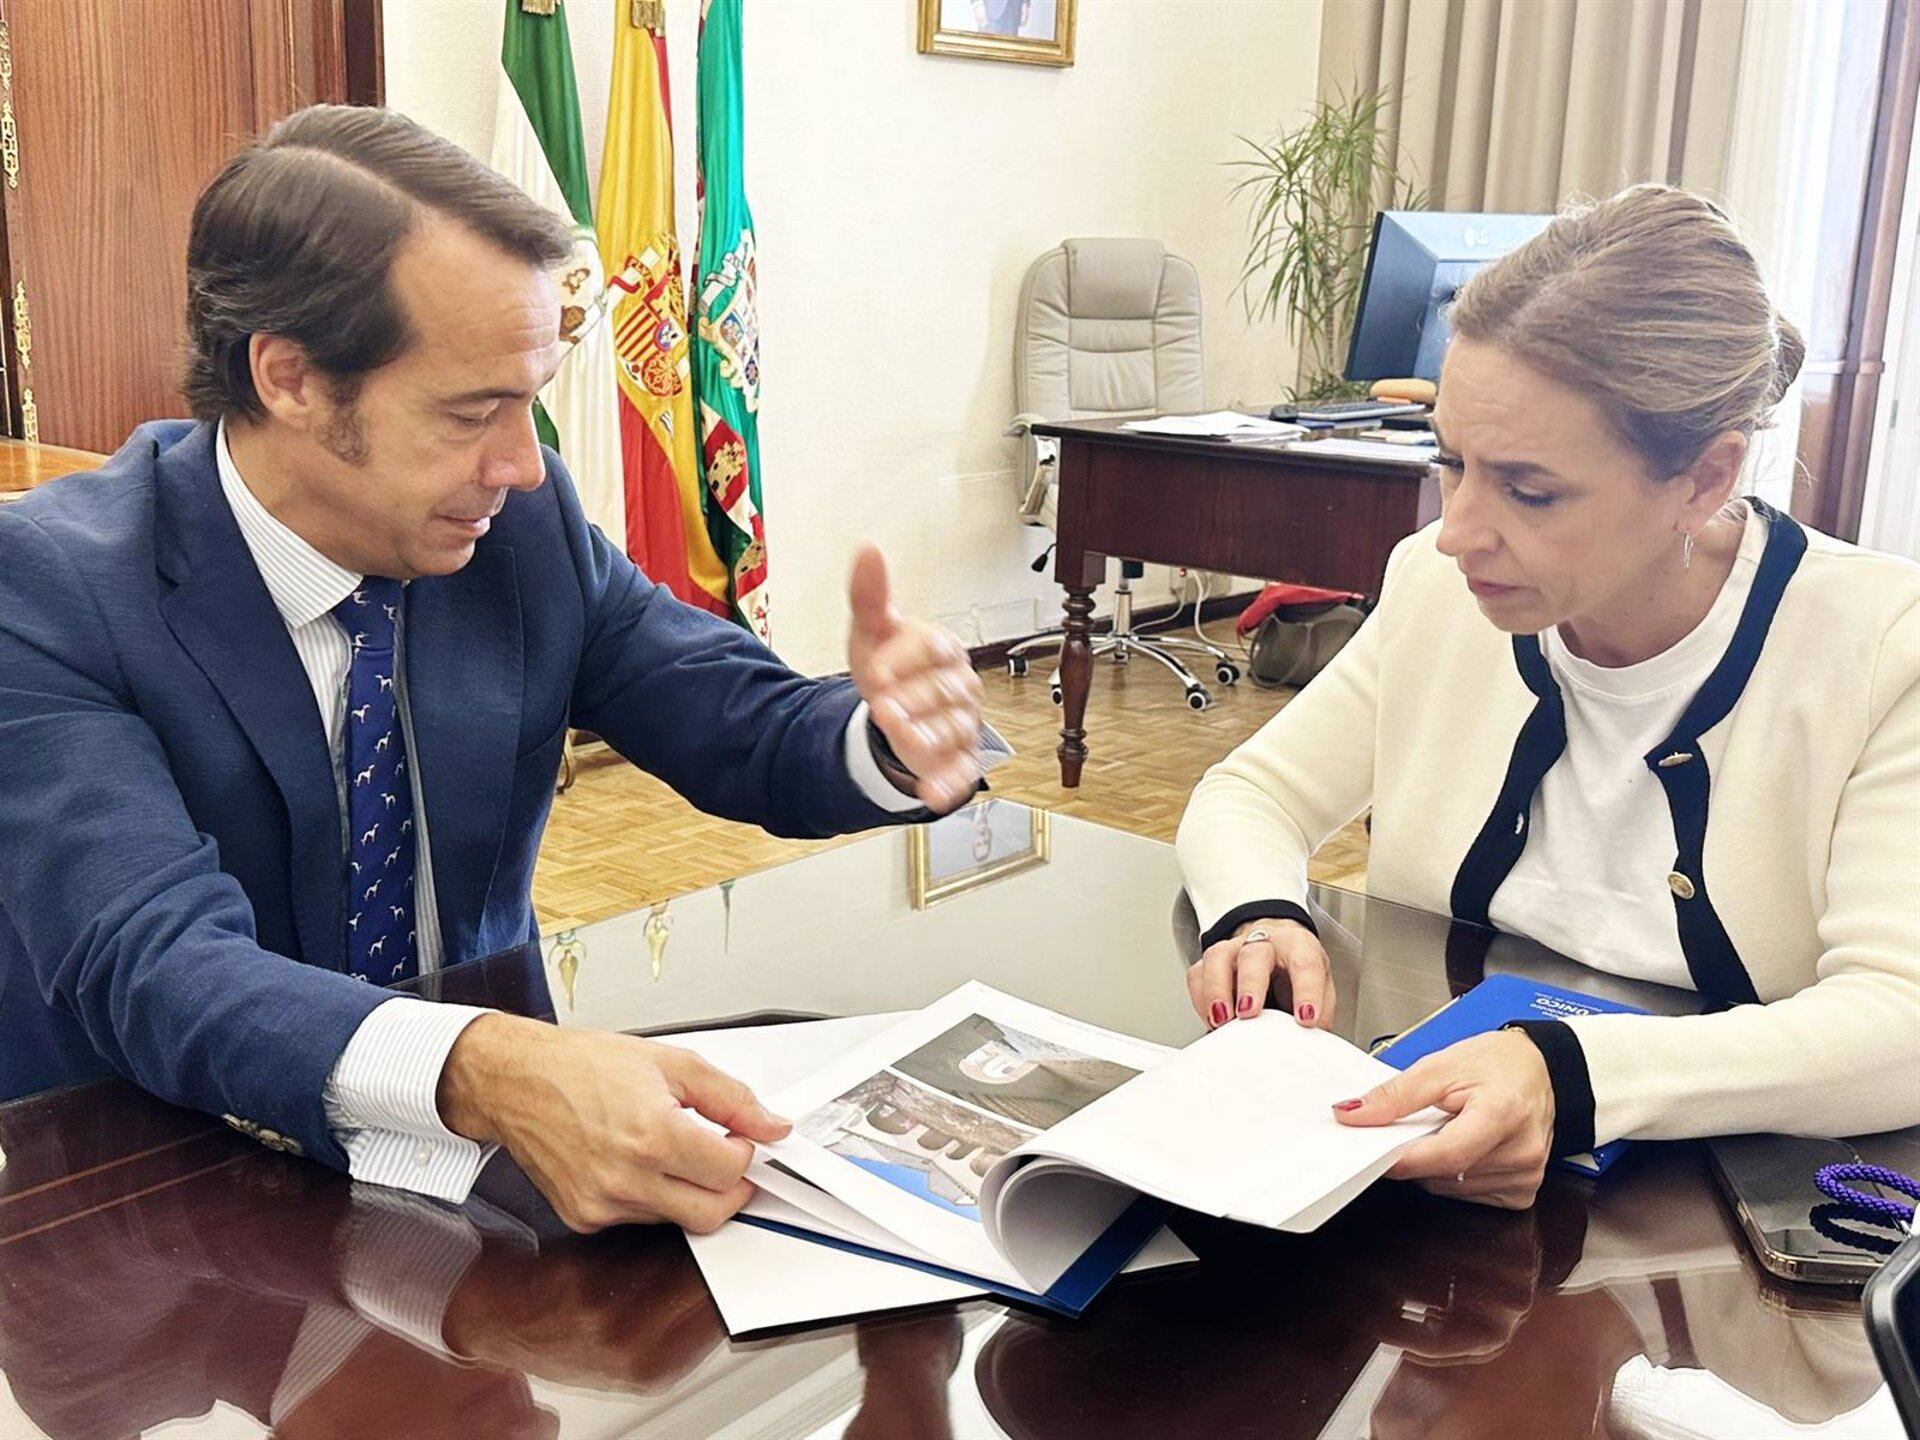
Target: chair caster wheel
{"x": 1059, "y": 695}
{"x": 1198, "y": 698}
{"x": 1226, "y": 672}
{"x": 1016, "y": 665}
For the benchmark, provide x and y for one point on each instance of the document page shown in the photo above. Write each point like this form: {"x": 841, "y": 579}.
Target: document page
{"x": 904, "y": 1129}
{"x": 1238, "y": 1125}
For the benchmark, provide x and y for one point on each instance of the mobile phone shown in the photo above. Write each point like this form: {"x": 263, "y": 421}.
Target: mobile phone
{"x": 1768, "y": 1182}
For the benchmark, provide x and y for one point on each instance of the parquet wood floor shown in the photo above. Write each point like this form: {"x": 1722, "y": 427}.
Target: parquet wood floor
{"x": 620, "y": 839}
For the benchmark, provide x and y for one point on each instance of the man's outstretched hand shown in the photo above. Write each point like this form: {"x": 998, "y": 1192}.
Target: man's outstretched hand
{"x": 917, "y": 683}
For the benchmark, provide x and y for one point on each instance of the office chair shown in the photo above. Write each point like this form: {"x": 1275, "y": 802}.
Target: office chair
{"x": 1106, "y": 328}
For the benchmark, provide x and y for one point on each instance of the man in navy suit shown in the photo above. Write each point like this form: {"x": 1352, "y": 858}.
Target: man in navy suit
{"x": 283, "y": 693}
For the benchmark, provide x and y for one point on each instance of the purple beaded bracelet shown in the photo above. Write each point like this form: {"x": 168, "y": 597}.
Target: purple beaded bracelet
{"x": 1831, "y": 1180}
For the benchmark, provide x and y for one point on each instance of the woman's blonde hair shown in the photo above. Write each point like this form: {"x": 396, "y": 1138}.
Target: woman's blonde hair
{"x": 1651, "y": 303}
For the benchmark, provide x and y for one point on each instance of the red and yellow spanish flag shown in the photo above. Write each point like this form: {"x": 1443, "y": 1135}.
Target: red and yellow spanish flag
{"x": 666, "y": 525}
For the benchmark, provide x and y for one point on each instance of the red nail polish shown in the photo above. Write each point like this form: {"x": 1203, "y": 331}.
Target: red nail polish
{"x": 1246, "y": 1004}
{"x": 1219, "y": 1012}
{"x": 1344, "y": 1106}
{"x": 1306, "y": 1014}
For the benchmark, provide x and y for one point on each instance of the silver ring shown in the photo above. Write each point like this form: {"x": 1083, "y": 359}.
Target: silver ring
{"x": 1253, "y": 935}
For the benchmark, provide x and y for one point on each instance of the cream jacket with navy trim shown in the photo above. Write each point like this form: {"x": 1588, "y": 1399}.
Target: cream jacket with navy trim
{"x": 1794, "y": 783}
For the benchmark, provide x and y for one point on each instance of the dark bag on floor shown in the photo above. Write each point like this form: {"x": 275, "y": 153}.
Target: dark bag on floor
{"x": 1296, "y": 630}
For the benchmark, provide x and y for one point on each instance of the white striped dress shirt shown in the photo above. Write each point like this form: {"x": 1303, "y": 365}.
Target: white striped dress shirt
{"x": 381, "y": 1098}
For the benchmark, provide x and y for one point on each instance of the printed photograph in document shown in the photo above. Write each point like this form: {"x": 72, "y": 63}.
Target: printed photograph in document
{"x": 994, "y": 1067}
{"x": 934, "y": 1122}
{"x": 927, "y": 1144}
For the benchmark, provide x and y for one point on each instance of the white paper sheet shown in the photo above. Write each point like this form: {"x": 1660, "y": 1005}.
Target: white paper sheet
{"x": 1239, "y": 1125}
{"x": 1216, "y": 425}
{"x": 1391, "y": 452}
{"x": 767, "y": 1058}
{"x": 761, "y": 1279}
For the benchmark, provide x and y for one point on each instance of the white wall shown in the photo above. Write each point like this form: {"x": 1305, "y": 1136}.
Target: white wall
{"x": 898, "y": 199}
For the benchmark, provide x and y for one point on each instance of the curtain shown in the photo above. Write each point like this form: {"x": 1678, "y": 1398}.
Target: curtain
{"x": 1518, "y": 105}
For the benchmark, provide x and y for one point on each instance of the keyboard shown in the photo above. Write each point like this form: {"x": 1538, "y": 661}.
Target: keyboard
{"x": 1343, "y": 412}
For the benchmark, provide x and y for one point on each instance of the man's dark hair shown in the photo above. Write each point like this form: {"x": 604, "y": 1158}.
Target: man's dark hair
{"x": 296, "y": 238}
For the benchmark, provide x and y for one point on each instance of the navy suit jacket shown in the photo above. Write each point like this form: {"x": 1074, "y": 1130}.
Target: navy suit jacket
{"x": 172, "y": 872}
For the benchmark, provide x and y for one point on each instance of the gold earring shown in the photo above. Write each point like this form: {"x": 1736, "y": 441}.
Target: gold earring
{"x": 1686, "y": 549}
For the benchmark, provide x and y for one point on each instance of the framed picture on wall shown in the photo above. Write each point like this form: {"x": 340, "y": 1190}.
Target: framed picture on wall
{"x": 978, "y": 843}
{"x": 1032, "y": 32}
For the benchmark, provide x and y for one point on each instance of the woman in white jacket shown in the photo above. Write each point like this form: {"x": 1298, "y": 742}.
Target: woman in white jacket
{"x": 1606, "y": 704}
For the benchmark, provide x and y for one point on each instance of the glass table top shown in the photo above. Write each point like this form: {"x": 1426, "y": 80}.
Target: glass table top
{"x": 159, "y": 1274}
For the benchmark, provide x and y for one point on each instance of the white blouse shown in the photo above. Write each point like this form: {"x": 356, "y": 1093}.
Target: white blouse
{"x": 1592, "y": 881}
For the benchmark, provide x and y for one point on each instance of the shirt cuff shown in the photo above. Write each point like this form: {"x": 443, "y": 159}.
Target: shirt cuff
{"x": 865, "y": 769}
{"x": 864, "y": 765}
{"x": 1255, "y": 910}
{"x": 381, "y": 1105}
{"x": 1572, "y": 1085}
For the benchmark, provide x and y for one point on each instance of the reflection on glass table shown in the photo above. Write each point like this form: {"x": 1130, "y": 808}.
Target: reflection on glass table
{"x": 158, "y": 1270}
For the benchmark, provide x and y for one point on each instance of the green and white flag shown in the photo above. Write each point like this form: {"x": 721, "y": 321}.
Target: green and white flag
{"x": 537, "y": 145}
{"x": 726, "y": 337}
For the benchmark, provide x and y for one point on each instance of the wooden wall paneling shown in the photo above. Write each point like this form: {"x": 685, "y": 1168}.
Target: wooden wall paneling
{"x": 10, "y": 419}
{"x": 122, "y": 111}
{"x": 273, "y": 29}
{"x": 344, "y": 54}
{"x": 304, "y": 52}
{"x": 362, "y": 29}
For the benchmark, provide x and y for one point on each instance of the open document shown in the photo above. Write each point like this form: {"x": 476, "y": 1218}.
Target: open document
{"x": 767, "y": 1272}
{"x": 989, "y": 1139}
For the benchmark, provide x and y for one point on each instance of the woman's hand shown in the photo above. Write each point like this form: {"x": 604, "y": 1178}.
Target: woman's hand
{"x": 1494, "y": 1150}
{"x": 1233, "y": 977}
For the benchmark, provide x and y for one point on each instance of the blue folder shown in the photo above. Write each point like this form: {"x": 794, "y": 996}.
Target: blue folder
{"x": 1500, "y": 1000}
{"x": 1070, "y": 1294}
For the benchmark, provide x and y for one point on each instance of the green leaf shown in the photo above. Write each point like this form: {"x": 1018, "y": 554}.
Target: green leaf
{"x": 1309, "y": 192}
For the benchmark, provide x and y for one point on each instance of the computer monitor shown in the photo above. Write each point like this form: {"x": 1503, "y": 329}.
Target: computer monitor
{"x": 1418, "y": 262}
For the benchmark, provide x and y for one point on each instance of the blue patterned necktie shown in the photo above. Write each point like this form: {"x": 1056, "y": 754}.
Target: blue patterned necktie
{"x": 380, "y": 932}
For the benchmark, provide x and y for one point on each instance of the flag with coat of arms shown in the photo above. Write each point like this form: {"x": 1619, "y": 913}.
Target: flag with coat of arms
{"x": 666, "y": 530}
{"x": 537, "y": 144}
{"x": 726, "y": 339}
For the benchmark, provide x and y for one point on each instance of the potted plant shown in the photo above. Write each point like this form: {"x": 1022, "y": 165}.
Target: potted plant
{"x": 1313, "y": 191}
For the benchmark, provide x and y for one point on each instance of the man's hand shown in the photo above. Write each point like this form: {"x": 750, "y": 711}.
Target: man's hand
{"x": 599, "y": 1121}
{"x": 1495, "y": 1148}
{"x": 915, "y": 678}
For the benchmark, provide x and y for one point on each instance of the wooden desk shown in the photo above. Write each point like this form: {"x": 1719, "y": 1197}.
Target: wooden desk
{"x": 23, "y": 466}
{"x": 1248, "y": 510}
{"x": 158, "y": 1271}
